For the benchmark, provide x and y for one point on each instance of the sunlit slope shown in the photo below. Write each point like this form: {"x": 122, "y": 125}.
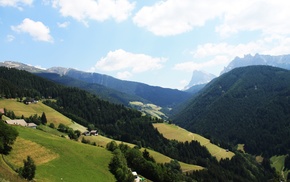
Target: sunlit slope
{"x": 160, "y": 158}
{"x": 174, "y": 132}
{"x": 52, "y": 115}
{"x": 60, "y": 159}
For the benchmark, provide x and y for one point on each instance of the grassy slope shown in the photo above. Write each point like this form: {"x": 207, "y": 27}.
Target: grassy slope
{"x": 160, "y": 158}
{"x": 150, "y": 109}
{"x": 59, "y": 158}
{"x": 180, "y": 134}
{"x": 278, "y": 163}
{"x": 52, "y": 115}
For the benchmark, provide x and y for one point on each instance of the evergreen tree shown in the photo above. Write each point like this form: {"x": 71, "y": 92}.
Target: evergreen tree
{"x": 43, "y": 119}
{"x": 28, "y": 170}
{"x": 8, "y": 135}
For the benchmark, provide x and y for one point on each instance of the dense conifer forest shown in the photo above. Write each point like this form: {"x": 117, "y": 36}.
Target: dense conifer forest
{"x": 248, "y": 105}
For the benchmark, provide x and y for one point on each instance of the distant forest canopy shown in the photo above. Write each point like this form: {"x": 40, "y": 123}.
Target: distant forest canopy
{"x": 248, "y": 105}
{"x": 122, "y": 123}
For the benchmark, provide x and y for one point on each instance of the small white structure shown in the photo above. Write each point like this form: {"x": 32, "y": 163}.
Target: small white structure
{"x": 31, "y": 125}
{"x": 137, "y": 178}
{"x": 20, "y": 122}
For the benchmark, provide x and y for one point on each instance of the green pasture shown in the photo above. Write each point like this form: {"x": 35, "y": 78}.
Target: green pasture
{"x": 20, "y": 109}
{"x": 174, "y": 132}
{"x": 151, "y": 109}
{"x": 160, "y": 158}
{"x": 60, "y": 159}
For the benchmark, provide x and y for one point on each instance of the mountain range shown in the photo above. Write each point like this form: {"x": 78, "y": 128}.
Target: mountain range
{"x": 281, "y": 61}
{"x": 247, "y": 105}
{"x": 107, "y": 87}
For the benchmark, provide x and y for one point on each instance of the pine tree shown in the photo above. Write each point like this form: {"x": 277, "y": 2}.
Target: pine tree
{"x": 28, "y": 170}
{"x": 43, "y": 119}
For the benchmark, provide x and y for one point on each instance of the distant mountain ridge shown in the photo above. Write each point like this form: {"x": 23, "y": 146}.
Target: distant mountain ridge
{"x": 199, "y": 78}
{"x": 281, "y": 61}
{"x": 164, "y": 97}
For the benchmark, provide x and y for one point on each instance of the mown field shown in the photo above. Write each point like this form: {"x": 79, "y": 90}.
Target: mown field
{"x": 49, "y": 150}
{"x": 174, "y": 132}
{"x": 160, "y": 158}
{"x": 150, "y": 109}
{"x": 60, "y": 159}
{"x": 52, "y": 115}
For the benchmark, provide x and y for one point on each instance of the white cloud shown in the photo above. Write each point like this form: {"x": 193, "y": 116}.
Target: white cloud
{"x": 98, "y": 10}
{"x": 172, "y": 17}
{"x": 124, "y": 75}
{"x": 267, "y": 16}
{"x": 135, "y": 63}
{"x": 63, "y": 25}
{"x": 36, "y": 29}
{"x": 16, "y": 3}
{"x": 10, "y": 38}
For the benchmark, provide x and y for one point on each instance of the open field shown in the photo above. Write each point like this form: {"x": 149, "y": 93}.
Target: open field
{"x": 160, "y": 158}
{"x": 150, "y": 109}
{"x": 174, "y": 132}
{"x": 60, "y": 159}
{"x": 20, "y": 109}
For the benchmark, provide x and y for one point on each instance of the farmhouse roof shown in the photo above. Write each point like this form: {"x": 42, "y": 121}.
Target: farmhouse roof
{"x": 31, "y": 125}
{"x": 20, "y": 122}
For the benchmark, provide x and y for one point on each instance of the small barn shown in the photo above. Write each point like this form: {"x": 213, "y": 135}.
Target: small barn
{"x": 20, "y": 122}
{"x": 94, "y": 132}
{"x": 31, "y": 125}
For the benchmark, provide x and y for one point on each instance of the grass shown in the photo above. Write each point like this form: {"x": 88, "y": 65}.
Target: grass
{"x": 241, "y": 147}
{"x": 20, "y": 109}
{"x": 150, "y": 109}
{"x": 160, "y": 158}
{"x": 60, "y": 159}
{"x": 7, "y": 174}
{"x": 174, "y": 132}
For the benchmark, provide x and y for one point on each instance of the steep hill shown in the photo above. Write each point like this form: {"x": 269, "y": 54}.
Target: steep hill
{"x": 248, "y": 105}
{"x": 60, "y": 159}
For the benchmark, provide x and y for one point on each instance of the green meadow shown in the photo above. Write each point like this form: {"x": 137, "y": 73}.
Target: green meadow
{"x": 52, "y": 115}
{"x": 160, "y": 158}
{"x": 60, "y": 159}
{"x": 174, "y": 132}
{"x": 150, "y": 109}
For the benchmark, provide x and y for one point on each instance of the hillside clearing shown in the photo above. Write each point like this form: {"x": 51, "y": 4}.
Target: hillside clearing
{"x": 20, "y": 109}
{"x": 174, "y": 132}
{"x": 160, "y": 158}
{"x": 62, "y": 159}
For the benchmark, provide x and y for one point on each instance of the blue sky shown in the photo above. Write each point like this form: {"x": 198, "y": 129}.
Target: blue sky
{"x": 155, "y": 42}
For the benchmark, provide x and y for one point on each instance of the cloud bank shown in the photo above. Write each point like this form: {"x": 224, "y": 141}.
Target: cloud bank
{"x": 99, "y": 10}
{"x": 35, "y": 29}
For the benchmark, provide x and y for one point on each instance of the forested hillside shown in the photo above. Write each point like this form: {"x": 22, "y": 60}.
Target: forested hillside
{"x": 101, "y": 91}
{"x": 163, "y": 97}
{"x": 122, "y": 123}
{"x": 248, "y": 105}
